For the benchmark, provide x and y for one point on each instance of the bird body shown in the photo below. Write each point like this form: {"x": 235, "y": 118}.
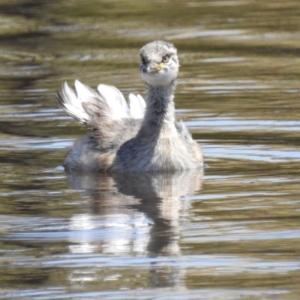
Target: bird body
{"x": 140, "y": 137}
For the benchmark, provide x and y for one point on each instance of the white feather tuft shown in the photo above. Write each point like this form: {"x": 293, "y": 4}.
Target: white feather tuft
{"x": 115, "y": 100}
{"x": 137, "y": 106}
{"x": 117, "y": 107}
{"x": 72, "y": 104}
{"x": 84, "y": 91}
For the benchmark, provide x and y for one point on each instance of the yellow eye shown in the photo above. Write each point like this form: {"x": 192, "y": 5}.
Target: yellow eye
{"x": 165, "y": 59}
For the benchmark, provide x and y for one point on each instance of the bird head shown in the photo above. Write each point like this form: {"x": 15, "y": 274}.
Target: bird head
{"x": 159, "y": 63}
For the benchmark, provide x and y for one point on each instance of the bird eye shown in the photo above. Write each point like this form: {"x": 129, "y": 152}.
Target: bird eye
{"x": 165, "y": 59}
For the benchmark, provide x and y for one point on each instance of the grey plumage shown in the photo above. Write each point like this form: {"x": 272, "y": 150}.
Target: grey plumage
{"x": 132, "y": 138}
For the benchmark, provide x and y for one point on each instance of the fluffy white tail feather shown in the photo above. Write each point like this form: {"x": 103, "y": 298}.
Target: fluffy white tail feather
{"x": 115, "y": 100}
{"x": 69, "y": 101}
{"x": 137, "y": 106}
{"x": 118, "y": 108}
{"x": 83, "y": 91}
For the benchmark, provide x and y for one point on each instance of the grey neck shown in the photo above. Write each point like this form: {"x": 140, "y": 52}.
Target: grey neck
{"x": 160, "y": 109}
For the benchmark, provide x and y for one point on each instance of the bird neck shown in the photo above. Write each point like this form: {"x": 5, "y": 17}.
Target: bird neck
{"x": 160, "y": 109}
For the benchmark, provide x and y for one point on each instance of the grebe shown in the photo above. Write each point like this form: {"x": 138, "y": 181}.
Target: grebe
{"x": 140, "y": 137}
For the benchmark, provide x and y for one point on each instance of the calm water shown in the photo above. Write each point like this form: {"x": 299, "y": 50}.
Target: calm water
{"x": 231, "y": 233}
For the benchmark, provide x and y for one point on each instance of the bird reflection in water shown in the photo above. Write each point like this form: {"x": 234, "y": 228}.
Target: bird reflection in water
{"x": 133, "y": 215}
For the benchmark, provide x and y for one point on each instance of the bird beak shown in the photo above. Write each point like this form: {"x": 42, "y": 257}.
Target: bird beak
{"x": 154, "y": 67}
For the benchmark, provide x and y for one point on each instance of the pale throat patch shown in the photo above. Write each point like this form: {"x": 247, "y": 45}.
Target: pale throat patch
{"x": 161, "y": 78}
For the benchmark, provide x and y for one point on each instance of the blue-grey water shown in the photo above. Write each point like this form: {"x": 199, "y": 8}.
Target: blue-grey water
{"x": 229, "y": 232}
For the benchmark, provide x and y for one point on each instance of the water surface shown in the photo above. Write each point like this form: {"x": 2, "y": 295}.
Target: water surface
{"x": 231, "y": 232}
